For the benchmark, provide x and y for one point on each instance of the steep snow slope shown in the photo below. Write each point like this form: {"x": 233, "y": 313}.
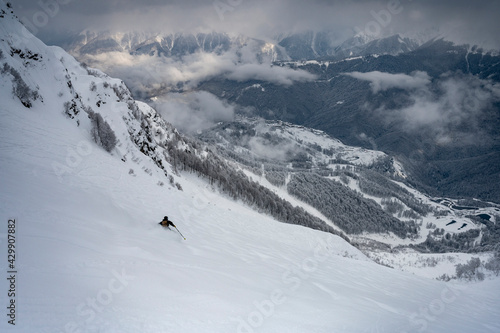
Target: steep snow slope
{"x": 91, "y": 258}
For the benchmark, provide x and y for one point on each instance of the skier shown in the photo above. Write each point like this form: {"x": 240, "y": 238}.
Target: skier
{"x": 167, "y": 223}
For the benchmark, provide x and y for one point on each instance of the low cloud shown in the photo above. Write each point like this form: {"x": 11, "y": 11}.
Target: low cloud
{"x": 277, "y": 151}
{"x": 147, "y": 74}
{"x": 268, "y": 145}
{"x": 194, "y": 111}
{"x": 380, "y": 81}
{"x": 163, "y": 77}
{"x": 451, "y": 110}
{"x": 277, "y": 75}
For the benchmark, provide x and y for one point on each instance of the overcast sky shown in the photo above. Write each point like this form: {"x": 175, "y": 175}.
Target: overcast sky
{"x": 461, "y": 20}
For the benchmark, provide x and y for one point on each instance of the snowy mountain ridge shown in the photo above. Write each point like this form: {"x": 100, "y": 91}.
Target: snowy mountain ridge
{"x": 169, "y": 44}
{"x": 290, "y": 47}
{"x": 86, "y": 198}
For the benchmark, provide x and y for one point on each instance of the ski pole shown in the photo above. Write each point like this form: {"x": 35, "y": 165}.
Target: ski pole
{"x": 180, "y": 233}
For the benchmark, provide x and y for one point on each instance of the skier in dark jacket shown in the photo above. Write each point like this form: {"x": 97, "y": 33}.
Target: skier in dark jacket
{"x": 167, "y": 223}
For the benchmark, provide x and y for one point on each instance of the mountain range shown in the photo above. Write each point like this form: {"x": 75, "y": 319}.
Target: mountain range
{"x": 301, "y": 46}
{"x": 453, "y": 116}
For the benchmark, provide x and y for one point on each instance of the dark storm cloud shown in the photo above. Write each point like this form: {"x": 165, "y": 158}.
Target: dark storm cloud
{"x": 464, "y": 21}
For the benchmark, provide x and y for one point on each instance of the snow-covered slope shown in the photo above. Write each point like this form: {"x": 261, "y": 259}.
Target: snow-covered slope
{"x": 275, "y": 151}
{"x": 278, "y": 141}
{"x": 90, "y": 256}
